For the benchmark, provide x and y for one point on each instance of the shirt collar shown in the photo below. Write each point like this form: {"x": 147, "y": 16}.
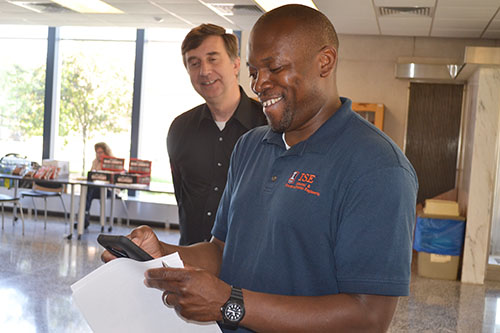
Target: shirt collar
{"x": 320, "y": 140}
{"x": 241, "y": 113}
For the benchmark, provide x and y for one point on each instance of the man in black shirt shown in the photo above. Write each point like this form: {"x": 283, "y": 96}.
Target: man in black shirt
{"x": 200, "y": 141}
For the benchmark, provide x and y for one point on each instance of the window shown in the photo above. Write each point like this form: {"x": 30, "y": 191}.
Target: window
{"x": 22, "y": 89}
{"x": 96, "y": 78}
{"x": 167, "y": 92}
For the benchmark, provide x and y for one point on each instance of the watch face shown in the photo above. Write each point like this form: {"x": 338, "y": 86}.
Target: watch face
{"x": 233, "y": 312}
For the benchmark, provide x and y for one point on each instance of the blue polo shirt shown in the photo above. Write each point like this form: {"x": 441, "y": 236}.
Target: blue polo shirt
{"x": 333, "y": 214}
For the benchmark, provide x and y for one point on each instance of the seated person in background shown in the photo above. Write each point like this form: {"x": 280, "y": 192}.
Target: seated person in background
{"x": 93, "y": 192}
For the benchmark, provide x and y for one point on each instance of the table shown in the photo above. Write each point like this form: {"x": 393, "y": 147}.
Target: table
{"x": 83, "y": 198}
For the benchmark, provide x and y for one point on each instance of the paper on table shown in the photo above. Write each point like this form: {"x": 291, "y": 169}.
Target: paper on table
{"x": 113, "y": 298}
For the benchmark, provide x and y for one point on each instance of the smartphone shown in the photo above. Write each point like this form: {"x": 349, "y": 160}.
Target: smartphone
{"x": 121, "y": 246}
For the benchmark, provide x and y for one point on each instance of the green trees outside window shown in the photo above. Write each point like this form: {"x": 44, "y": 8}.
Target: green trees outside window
{"x": 90, "y": 101}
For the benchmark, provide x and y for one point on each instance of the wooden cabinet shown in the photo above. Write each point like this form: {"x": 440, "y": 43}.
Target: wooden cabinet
{"x": 373, "y": 112}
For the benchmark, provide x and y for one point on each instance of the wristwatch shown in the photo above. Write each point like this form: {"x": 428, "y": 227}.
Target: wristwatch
{"x": 233, "y": 310}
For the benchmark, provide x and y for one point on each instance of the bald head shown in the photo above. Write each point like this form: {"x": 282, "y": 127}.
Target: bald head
{"x": 306, "y": 22}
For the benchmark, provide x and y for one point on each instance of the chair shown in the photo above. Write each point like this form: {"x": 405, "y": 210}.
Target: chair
{"x": 44, "y": 191}
{"x": 14, "y": 200}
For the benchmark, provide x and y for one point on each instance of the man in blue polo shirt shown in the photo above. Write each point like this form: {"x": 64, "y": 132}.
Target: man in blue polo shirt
{"x": 314, "y": 229}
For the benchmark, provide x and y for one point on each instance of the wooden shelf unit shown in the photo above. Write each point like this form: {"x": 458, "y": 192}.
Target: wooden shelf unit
{"x": 373, "y": 112}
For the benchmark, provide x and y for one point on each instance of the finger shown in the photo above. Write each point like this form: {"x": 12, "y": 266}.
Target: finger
{"x": 141, "y": 233}
{"x": 162, "y": 285}
{"x": 159, "y": 278}
{"x": 107, "y": 256}
{"x": 169, "y": 274}
{"x": 137, "y": 235}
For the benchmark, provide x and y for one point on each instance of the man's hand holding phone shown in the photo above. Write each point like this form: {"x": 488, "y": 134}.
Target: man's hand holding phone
{"x": 145, "y": 238}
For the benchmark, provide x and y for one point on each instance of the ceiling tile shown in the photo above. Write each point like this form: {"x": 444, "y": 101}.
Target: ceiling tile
{"x": 494, "y": 25}
{"x": 166, "y": 1}
{"x": 468, "y": 3}
{"x": 190, "y": 9}
{"x": 356, "y": 27}
{"x": 459, "y": 24}
{"x": 404, "y": 3}
{"x": 405, "y": 26}
{"x": 6, "y": 7}
{"x": 493, "y": 34}
{"x": 353, "y": 8}
{"x": 453, "y": 18}
{"x": 245, "y": 22}
{"x": 140, "y": 21}
{"x": 350, "y": 17}
{"x": 454, "y": 33}
{"x": 484, "y": 13}
{"x": 137, "y": 8}
{"x": 235, "y": 2}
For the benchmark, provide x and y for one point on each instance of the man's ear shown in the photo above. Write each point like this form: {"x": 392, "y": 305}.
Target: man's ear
{"x": 236, "y": 65}
{"x": 327, "y": 60}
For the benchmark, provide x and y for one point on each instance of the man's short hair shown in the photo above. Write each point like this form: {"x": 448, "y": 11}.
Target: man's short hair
{"x": 308, "y": 21}
{"x": 197, "y": 35}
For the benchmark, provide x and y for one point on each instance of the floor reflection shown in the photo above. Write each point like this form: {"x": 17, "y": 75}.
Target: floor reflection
{"x": 37, "y": 270}
{"x": 12, "y": 305}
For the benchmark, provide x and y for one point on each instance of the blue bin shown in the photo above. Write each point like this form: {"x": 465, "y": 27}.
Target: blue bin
{"x": 440, "y": 235}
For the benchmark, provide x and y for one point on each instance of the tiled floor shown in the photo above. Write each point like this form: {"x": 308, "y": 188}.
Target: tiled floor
{"x": 37, "y": 270}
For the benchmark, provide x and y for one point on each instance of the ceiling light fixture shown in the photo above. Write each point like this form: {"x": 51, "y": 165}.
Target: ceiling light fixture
{"x": 89, "y": 6}
{"x": 268, "y": 5}
{"x": 217, "y": 11}
{"x": 222, "y": 9}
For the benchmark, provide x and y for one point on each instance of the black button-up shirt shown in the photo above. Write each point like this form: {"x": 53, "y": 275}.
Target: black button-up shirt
{"x": 199, "y": 155}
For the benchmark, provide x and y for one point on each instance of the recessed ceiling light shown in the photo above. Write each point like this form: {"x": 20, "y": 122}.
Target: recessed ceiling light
{"x": 42, "y": 7}
{"x": 268, "y": 5}
{"x": 89, "y": 6}
{"x": 218, "y": 11}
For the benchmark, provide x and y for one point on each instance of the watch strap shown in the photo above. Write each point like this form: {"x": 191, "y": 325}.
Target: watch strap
{"x": 237, "y": 294}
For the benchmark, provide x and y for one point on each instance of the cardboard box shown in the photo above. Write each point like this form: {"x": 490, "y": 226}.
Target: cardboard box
{"x": 139, "y": 166}
{"x": 131, "y": 178}
{"x": 62, "y": 167}
{"x": 441, "y": 207}
{"x": 110, "y": 163}
{"x": 438, "y": 266}
{"x": 101, "y": 176}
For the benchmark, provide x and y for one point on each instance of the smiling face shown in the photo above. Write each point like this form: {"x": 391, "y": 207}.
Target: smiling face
{"x": 284, "y": 73}
{"x": 213, "y": 73}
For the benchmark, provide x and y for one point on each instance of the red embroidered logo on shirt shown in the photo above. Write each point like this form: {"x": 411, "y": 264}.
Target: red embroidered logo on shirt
{"x": 302, "y": 181}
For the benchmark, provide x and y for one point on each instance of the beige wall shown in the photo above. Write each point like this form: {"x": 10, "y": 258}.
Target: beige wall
{"x": 366, "y": 71}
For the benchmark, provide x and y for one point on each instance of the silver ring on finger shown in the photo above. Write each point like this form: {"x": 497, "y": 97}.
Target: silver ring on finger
{"x": 165, "y": 298}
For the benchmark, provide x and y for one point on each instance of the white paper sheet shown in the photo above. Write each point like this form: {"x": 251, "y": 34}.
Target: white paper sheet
{"x": 113, "y": 298}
